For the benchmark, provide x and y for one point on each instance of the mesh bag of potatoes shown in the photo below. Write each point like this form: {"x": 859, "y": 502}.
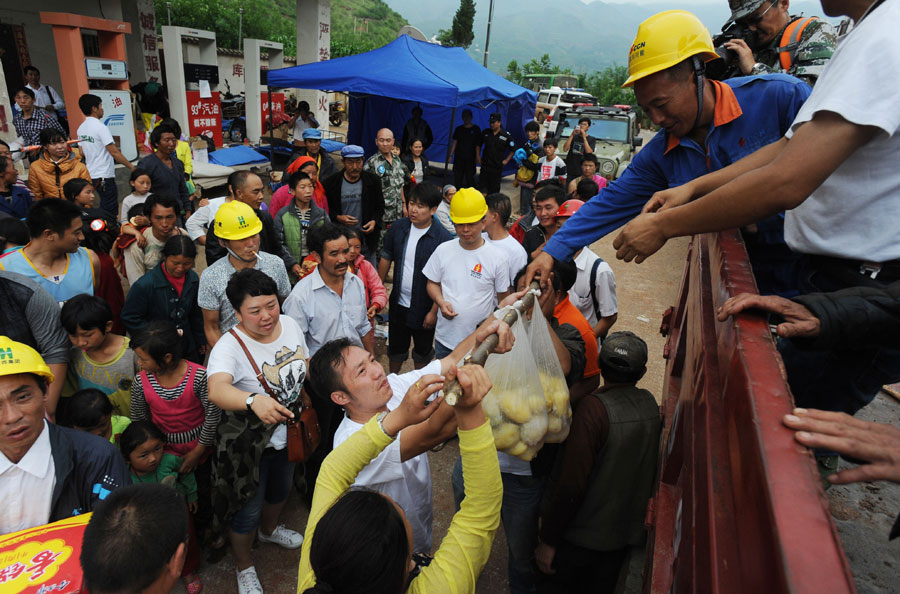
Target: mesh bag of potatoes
{"x": 515, "y": 405}
{"x": 553, "y": 381}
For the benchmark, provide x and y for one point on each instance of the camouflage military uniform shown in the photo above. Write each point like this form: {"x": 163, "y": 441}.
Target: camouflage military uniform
{"x": 393, "y": 177}
{"x": 816, "y": 45}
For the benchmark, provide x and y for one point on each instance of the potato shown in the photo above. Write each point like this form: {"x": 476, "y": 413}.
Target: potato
{"x": 532, "y": 432}
{"x": 515, "y": 407}
{"x": 491, "y": 408}
{"x": 505, "y": 435}
{"x": 518, "y": 449}
{"x": 554, "y": 424}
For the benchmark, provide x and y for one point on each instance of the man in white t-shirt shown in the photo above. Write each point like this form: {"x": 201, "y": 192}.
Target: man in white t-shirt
{"x": 198, "y": 224}
{"x": 466, "y": 276}
{"x": 100, "y": 152}
{"x": 301, "y": 121}
{"x": 353, "y": 379}
{"x": 499, "y": 209}
{"x": 835, "y": 174}
{"x": 594, "y": 291}
{"x": 254, "y": 417}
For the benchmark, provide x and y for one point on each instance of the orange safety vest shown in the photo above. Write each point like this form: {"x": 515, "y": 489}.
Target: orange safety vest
{"x": 790, "y": 41}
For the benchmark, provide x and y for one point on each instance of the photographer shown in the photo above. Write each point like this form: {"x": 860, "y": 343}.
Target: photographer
{"x": 579, "y": 144}
{"x": 767, "y": 39}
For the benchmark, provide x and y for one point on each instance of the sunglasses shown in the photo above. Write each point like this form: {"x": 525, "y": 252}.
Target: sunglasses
{"x": 755, "y": 19}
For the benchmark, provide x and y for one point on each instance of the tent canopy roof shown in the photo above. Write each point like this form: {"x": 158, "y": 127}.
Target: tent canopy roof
{"x": 408, "y": 70}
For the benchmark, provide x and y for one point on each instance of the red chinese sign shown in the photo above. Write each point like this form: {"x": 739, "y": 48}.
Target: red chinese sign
{"x": 278, "y": 114}
{"x": 205, "y": 116}
{"x": 43, "y": 559}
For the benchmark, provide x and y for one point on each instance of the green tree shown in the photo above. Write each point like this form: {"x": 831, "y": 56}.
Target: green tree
{"x": 461, "y": 32}
{"x": 606, "y": 86}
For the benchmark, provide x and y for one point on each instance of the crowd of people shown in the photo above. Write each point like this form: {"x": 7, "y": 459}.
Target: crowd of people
{"x": 167, "y": 409}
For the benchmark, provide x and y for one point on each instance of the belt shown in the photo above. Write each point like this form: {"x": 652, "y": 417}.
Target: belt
{"x": 884, "y": 272}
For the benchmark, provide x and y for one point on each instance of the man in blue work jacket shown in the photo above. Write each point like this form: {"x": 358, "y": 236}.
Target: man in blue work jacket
{"x": 707, "y": 125}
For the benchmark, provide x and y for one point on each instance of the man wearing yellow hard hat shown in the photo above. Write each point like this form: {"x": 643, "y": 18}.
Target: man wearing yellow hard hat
{"x": 705, "y": 125}
{"x": 238, "y": 228}
{"x": 47, "y": 472}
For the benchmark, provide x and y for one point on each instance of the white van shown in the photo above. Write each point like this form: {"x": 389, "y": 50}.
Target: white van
{"x": 554, "y": 98}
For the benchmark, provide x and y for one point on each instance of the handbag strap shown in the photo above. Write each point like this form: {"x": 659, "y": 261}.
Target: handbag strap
{"x": 259, "y": 375}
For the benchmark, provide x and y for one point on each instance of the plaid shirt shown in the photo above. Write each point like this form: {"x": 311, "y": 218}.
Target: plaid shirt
{"x": 30, "y": 129}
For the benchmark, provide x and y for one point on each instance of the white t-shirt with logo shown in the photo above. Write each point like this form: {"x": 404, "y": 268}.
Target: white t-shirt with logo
{"x": 516, "y": 257}
{"x": 95, "y": 137}
{"x": 470, "y": 281}
{"x": 282, "y": 362}
{"x": 550, "y": 169}
{"x": 407, "y": 483}
{"x": 854, "y": 213}
{"x": 409, "y": 260}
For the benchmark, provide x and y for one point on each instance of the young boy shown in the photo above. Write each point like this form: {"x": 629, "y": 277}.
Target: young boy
{"x": 409, "y": 243}
{"x": 293, "y": 222}
{"x": 588, "y": 171}
{"x": 550, "y": 166}
{"x": 466, "y": 277}
{"x": 499, "y": 207}
{"x": 98, "y": 358}
{"x": 527, "y": 175}
{"x": 550, "y": 194}
{"x": 443, "y": 210}
{"x": 594, "y": 291}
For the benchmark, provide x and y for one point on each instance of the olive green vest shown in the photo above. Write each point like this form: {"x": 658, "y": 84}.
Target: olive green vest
{"x": 615, "y": 503}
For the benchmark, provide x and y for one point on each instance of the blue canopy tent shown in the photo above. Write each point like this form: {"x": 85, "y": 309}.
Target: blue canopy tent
{"x": 384, "y": 84}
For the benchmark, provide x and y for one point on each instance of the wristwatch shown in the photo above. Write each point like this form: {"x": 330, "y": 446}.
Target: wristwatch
{"x": 380, "y": 419}
{"x": 249, "y": 401}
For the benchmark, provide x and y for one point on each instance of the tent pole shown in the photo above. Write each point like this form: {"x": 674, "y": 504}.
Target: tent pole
{"x": 449, "y": 143}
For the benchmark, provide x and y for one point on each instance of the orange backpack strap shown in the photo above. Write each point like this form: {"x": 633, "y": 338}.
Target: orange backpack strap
{"x": 790, "y": 41}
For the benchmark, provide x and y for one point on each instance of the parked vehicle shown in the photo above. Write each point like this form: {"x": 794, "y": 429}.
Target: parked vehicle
{"x": 556, "y": 99}
{"x": 616, "y": 131}
{"x": 336, "y": 113}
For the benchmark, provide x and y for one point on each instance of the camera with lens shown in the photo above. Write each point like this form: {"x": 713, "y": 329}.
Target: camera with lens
{"x": 728, "y": 66}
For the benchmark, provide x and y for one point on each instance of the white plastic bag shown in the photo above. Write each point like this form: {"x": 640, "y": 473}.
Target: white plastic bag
{"x": 515, "y": 405}
{"x": 553, "y": 381}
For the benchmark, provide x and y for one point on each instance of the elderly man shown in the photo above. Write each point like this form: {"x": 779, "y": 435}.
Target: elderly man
{"x": 796, "y": 45}
{"x": 393, "y": 174}
{"x": 355, "y": 198}
{"x": 47, "y": 472}
{"x": 707, "y": 125}
{"x": 834, "y": 173}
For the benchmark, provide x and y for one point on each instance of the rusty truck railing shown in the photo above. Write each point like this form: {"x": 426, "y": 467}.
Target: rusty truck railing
{"x": 739, "y": 506}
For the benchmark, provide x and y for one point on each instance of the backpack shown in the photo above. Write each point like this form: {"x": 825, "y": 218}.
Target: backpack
{"x": 790, "y": 41}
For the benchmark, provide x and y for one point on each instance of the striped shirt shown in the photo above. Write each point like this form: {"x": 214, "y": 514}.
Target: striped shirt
{"x": 206, "y": 432}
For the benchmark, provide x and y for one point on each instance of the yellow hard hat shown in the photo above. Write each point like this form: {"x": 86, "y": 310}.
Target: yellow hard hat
{"x": 665, "y": 39}
{"x": 16, "y": 357}
{"x": 467, "y": 206}
{"x": 236, "y": 220}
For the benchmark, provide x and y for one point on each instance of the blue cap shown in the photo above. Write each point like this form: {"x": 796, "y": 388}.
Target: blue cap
{"x": 312, "y": 133}
{"x": 352, "y": 151}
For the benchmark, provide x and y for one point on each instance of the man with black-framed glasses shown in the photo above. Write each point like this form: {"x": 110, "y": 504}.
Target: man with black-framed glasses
{"x": 796, "y": 45}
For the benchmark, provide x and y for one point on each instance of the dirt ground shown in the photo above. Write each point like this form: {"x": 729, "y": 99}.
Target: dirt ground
{"x": 863, "y": 513}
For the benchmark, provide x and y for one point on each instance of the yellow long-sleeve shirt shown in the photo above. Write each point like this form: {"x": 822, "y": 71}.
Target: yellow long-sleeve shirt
{"x": 467, "y": 546}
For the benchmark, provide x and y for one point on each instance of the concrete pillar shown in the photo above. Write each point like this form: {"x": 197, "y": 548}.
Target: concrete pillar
{"x": 143, "y": 53}
{"x": 314, "y": 45}
{"x": 252, "y": 86}
{"x": 175, "y": 59}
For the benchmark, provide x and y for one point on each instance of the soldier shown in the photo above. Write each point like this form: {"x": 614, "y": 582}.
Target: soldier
{"x": 796, "y": 45}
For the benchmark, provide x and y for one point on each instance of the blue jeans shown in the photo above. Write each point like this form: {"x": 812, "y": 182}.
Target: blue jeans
{"x": 275, "y": 474}
{"x": 519, "y": 514}
{"x": 440, "y": 351}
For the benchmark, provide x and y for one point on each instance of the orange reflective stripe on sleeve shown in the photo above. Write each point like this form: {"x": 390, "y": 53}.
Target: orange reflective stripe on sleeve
{"x": 789, "y": 40}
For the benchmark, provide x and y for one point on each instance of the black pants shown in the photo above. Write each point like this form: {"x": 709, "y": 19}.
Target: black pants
{"x": 109, "y": 195}
{"x": 463, "y": 173}
{"x": 490, "y": 179}
{"x": 582, "y": 570}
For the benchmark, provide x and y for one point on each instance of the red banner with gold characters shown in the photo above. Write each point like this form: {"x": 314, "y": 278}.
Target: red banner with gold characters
{"x": 43, "y": 559}
{"x": 204, "y": 116}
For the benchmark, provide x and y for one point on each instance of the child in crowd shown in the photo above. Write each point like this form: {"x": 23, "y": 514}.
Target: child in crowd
{"x": 443, "y": 209}
{"x": 588, "y": 171}
{"x": 499, "y": 207}
{"x": 528, "y": 156}
{"x": 100, "y": 228}
{"x": 142, "y": 446}
{"x": 140, "y": 189}
{"x": 98, "y": 358}
{"x": 550, "y": 166}
{"x": 376, "y": 294}
{"x": 294, "y": 220}
{"x": 585, "y": 190}
{"x": 549, "y": 196}
{"x": 466, "y": 277}
{"x": 90, "y": 410}
{"x": 409, "y": 244}
{"x": 13, "y": 235}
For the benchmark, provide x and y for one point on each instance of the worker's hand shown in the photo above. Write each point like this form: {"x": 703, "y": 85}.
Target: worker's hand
{"x": 512, "y": 298}
{"x": 799, "y": 322}
{"x": 669, "y": 198}
{"x": 494, "y": 326}
{"x": 447, "y": 310}
{"x": 876, "y": 445}
{"x": 368, "y": 227}
{"x": 348, "y": 220}
{"x": 475, "y": 384}
{"x": 415, "y": 407}
{"x": 430, "y": 319}
{"x": 539, "y": 269}
{"x": 640, "y": 239}
{"x": 543, "y": 557}
{"x": 141, "y": 240}
{"x": 202, "y": 202}
{"x": 744, "y": 53}
{"x": 269, "y": 410}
